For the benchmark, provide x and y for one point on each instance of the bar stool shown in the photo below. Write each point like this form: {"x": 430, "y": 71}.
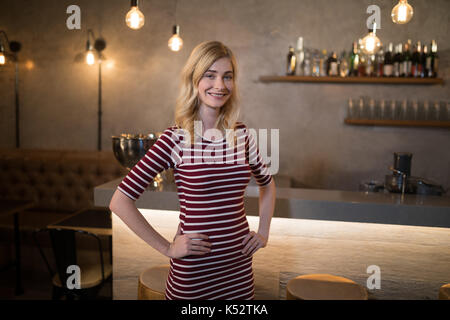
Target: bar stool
{"x": 152, "y": 283}
{"x": 324, "y": 287}
{"x": 444, "y": 292}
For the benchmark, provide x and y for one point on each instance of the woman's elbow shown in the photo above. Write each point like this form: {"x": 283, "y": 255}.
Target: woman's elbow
{"x": 269, "y": 186}
{"x": 116, "y": 200}
{"x": 112, "y": 203}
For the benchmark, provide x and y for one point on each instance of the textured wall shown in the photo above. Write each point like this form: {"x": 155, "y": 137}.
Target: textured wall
{"x": 59, "y": 95}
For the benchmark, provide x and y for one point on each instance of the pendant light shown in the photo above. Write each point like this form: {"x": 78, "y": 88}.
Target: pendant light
{"x": 2, "y": 55}
{"x": 175, "y": 42}
{"x": 135, "y": 18}
{"x": 402, "y": 13}
{"x": 371, "y": 43}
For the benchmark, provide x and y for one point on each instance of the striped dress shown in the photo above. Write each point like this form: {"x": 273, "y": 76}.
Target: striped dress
{"x": 211, "y": 178}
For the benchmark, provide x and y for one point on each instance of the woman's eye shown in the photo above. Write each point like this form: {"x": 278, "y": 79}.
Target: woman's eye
{"x": 210, "y": 76}
{"x": 228, "y": 77}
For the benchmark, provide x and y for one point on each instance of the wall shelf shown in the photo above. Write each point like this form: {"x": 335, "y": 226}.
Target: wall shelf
{"x": 400, "y": 123}
{"x": 371, "y": 80}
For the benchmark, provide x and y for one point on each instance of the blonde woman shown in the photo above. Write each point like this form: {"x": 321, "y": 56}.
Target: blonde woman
{"x": 213, "y": 157}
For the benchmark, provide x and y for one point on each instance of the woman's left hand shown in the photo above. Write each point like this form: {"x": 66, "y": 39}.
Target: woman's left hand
{"x": 252, "y": 242}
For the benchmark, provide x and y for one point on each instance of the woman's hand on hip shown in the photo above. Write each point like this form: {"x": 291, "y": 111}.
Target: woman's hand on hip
{"x": 252, "y": 242}
{"x": 189, "y": 244}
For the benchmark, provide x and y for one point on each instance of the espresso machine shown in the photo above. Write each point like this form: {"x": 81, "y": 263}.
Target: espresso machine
{"x": 401, "y": 181}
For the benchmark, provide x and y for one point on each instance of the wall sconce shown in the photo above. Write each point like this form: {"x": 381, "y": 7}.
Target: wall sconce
{"x": 135, "y": 18}
{"x": 99, "y": 46}
{"x": 14, "y": 48}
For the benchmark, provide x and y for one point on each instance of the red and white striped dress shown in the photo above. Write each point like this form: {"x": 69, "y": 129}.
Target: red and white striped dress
{"x": 210, "y": 188}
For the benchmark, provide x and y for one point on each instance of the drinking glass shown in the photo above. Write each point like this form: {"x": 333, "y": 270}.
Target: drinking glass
{"x": 382, "y": 109}
{"x": 351, "y": 114}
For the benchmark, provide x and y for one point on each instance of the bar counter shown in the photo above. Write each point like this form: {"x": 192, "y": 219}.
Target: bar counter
{"x": 316, "y": 204}
{"x": 313, "y": 231}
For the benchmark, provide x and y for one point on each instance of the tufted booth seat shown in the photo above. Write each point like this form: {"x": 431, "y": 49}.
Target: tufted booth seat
{"x": 60, "y": 182}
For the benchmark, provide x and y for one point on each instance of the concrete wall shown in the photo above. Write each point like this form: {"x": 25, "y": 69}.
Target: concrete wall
{"x": 58, "y": 93}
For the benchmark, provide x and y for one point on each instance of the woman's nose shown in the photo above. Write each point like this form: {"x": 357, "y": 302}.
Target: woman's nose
{"x": 219, "y": 83}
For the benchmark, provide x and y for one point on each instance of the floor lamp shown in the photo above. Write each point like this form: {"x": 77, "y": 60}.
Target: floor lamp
{"x": 14, "y": 48}
{"x": 99, "y": 46}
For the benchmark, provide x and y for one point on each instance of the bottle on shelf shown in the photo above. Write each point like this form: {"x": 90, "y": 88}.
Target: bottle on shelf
{"x": 323, "y": 63}
{"x": 371, "y": 65}
{"x": 416, "y": 65}
{"x": 424, "y": 62}
{"x": 398, "y": 60}
{"x": 379, "y": 63}
{"x": 300, "y": 54}
{"x": 388, "y": 67}
{"x": 434, "y": 60}
{"x": 332, "y": 65}
{"x": 362, "y": 60}
{"x": 316, "y": 63}
{"x": 354, "y": 60}
{"x": 362, "y": 66}
{"x": 405, "y": 69}
{"x": 291, "y": 62}
{"x": 343, "y": 65}
{"x": 307, "y": 63}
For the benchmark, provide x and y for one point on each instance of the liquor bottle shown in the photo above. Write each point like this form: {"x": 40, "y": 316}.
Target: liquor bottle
{"x": 362, "y": 65}
{"x": 398, "y": 60}
{"x": 291, "y": 62}
{"x": 323, "y": 63}
{"x": 416, "y": 65}
{"x": 423, "y": 60}
{"x": 434, "y": 60}
{"x": 332, "y": 65}
{"x": 307, "y": 63}
{"x": 343, "y": 65}
{"x": 300, "y": 54}
{"x": 388, "y": 68}
{"x": 362, "y": 60}
{"x": 354, "y": 61}
{"x": 370, "y": 65}
{"x": 379, "y": 64}
{"x": 406, "y": 64}
{"x": 316, "y": 63}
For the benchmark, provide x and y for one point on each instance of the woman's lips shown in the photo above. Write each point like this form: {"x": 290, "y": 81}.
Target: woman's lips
{"x": 218, "y": 96}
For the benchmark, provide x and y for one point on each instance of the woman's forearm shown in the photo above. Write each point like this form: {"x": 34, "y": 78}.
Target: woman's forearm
{"x": 266, "y": 208}
{"x": 126, "y": 210}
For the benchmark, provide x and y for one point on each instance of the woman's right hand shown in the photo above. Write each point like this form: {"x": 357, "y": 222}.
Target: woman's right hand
{"x": 188, "y": 244}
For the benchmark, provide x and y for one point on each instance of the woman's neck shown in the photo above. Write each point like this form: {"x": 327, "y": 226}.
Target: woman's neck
{"x": 208, "y": 116}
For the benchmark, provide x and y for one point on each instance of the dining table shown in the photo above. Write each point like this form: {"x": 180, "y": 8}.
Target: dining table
{"x": 14, "y": 207}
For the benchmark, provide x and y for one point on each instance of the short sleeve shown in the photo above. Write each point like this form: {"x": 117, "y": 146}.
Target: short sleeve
{"x": 164, "y": 154}
{"x": 259, "y": 169}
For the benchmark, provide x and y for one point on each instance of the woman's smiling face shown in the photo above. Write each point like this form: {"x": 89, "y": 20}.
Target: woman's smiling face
{"x": 216, "y": 85}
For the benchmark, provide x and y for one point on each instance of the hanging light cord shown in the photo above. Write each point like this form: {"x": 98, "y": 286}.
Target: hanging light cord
{"x": 175, "y": 11}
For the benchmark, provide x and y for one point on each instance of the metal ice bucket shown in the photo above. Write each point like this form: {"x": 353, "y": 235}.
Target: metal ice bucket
{"x": 129, "y": 149}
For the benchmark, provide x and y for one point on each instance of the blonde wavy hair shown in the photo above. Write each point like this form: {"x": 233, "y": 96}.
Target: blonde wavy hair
{"x": 188, "y": 101}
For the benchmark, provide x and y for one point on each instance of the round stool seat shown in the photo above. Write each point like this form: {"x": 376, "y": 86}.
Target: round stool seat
{"x": 444, "y": 292}
{"x": 324, "y": 287}
{"x": 152, "y": 283}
